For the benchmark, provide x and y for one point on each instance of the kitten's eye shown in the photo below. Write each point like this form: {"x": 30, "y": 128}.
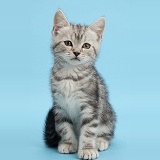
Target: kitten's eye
{"x": 86, "y": 45}
{"x": 68, "y": 43}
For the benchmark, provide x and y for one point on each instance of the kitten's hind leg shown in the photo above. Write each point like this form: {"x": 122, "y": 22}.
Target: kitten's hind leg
{"x": 104, "y": 137}
{"x": 102, "y": 143}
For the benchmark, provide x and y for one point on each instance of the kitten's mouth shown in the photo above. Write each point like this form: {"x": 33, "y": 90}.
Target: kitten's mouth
{"x": 75, "y": 58}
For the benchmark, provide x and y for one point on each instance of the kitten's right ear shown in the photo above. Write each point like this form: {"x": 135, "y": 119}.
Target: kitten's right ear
{"x": 60, "y": 21}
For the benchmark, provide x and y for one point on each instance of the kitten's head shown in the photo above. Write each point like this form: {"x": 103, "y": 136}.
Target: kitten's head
{"x": 76, "y": 44}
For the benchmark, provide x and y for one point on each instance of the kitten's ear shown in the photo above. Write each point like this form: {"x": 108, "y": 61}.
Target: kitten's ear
{"x": 98, "y": 26}
{"x": 60, "y": 21}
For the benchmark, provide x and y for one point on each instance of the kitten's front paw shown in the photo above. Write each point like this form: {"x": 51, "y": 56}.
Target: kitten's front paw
{"x": 67, "y": 148}
{"x": 102, "y": 144}
{"x": 88, "y": 153}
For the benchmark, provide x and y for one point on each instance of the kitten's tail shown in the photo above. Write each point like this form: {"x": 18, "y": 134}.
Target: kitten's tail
{"x": 51, "y": 137}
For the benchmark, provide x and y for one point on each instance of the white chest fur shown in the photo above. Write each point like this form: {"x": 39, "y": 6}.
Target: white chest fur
{"x": 69, "y": 96}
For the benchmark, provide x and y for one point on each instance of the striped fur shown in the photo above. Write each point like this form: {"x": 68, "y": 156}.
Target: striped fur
{"x": 82, "y": 116}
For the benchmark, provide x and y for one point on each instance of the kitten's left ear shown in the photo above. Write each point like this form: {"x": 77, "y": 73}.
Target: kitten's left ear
{"x": 98, "y": 26}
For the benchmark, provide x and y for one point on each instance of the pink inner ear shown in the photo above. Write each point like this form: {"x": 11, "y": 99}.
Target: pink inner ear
{"x": 56, "y": 28}
{"x": 99, "y": 37}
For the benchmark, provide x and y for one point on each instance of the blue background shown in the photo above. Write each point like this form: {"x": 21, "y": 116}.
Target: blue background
{"x": 129, "y": 61}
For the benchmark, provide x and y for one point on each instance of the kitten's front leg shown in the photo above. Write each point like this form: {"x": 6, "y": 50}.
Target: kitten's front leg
{"x": 64, "y": 127}
{"x": 88, "y": 133}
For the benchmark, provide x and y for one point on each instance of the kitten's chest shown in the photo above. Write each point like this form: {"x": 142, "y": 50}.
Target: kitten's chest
{"x": 67, "y": 87}
{"x": 69, "y": 96}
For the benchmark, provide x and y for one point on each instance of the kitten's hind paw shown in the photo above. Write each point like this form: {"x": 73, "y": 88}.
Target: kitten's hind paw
{"x": 102, "y": 144}
{"x": 88, "y": 153}
{"x": 67, "y": 148}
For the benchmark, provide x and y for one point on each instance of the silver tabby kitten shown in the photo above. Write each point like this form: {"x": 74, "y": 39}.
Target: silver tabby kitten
{"x": 81, "y": 118}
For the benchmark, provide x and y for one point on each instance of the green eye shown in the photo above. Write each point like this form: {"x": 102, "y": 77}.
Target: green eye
{"x": 86, "y": 45}
{"x": 68, "y": 43}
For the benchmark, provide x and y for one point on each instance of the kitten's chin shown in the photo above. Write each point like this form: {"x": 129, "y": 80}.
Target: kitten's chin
{"x": 75, "y": 62}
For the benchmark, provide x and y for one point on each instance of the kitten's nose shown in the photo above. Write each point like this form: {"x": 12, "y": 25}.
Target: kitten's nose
{"x": 76, "y": 53}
